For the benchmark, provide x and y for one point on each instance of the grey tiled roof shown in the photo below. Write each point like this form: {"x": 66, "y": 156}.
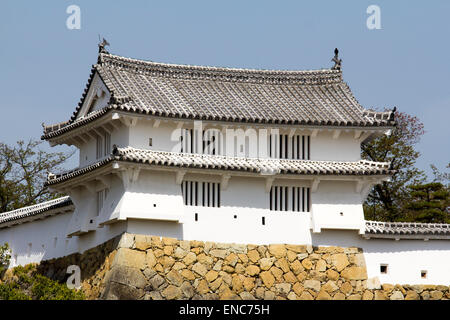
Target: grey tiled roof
{"x": 316, "y": 97}
{"x": 35, "y": 210}
{"x": 215, "y": 162}
{"x": 406, "y": 229}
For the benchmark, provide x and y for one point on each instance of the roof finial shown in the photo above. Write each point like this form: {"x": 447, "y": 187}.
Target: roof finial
{"x": 102, "y": 45}
{"x": 336, "y": 60}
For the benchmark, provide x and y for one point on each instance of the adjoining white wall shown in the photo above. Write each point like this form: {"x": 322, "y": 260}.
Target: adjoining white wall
{"x": 46, "y": 239}
{"x": 405, "y": 258}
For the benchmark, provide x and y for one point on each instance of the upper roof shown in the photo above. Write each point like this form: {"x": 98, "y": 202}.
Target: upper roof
{"x": 36, "y": 211}
{"x": 313, "y": 97}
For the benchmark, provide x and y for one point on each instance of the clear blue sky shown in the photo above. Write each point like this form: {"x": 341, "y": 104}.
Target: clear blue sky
{"x": 44, "y": 66}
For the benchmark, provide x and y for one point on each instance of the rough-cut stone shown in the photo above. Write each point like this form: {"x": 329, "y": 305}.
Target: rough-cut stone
{"x": 266, "y": 263}
{"x": 283, "y": 288}
{"x": 267, "y": 278}
{"x": 277, "y": 273}
{"x": 367, "y": 295}
{"x": 296, "y": 248}
{"x": 354, "y": 273}
{"x": 153, "y": 295}
{"x": 297, "y": 267}
{"x": 142, "y": 242}
{"x": 332, "y": 275}
{"x": 339, "y": 296}
{"x": 339, "y": 261}
{"x": 171, "y": 292}
{"x": 174, "y": 278}
{"x": 218, "y": 253}
{"x": 231, "y": 259}
{"x": 118, "y": 291}
{"x": 168, "y": 250}
{"x": 237, "y": 285}
{"x": 167, "y": 262}
{"x": 346, "y": 288}
{"x": 380, "y": 295}
{"x": 269, "y": 295}
{"x": 218, "y": 265}
{"x": 169, "y": 241}
{"x": 323, "y": 295}
{"x": 312, "y": 284}
{"x": 252, "y": 270}
{"x": 249, "y": 284}
{"x": 211, "y": 275}
{"x": 156, "y": 281}
{"x": 321, "y": 265}
{"x": 292, "y": 296}
{"x": 397, "y": 295}
{"x": 306, "y": 296}
{"x": 436, "y": 295}
{"x": 290, "y": 277}
{"x": 330, "y": 286}
{"x": 179, "y": 266}
{"x": 216, "y": 284}
{"x": 187, "y": 289}
{"x": 199, "y": 268}
{"x": 307, "y": 264}
{"x": 202, "y": 287}
{"x": 277, "y": 250}
{"x": 127, "y": 276}
{"x": 126, "y": 241}
{"x": 291, "y": 256}
{"x": 355, "y": 296}
{"x": 190, "y": 258}
{"x": 180, "y": 253}
{"x": 187, "y": 274}
{"x": 246, "y": 296}
{"x": 243, "y": 258}
{"x": 130, "y": 258}
{"x": 253, "y": 255}
{"x": 412, "y": 295}
{"x": 283, "y": 264}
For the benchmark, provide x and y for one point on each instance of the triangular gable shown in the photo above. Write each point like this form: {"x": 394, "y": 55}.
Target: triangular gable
{"x": 96, "y": 98}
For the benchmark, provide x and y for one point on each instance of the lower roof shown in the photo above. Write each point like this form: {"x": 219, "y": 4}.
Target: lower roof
{"x": 379, "y": 229}
{"x": 216, "y": 162}
{"x": 36, "y": 211}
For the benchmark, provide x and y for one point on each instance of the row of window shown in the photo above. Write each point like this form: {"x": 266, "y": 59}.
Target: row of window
{"x": 205, "y": 194}
{"x": 281, "y": 146}
{"x": 281, "y": 198}
{"x": 289, "y": 199}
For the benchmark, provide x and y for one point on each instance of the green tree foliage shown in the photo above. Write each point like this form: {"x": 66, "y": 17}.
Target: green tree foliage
{"x": 386, "y": 200}
{"x": 27, "y": 284}
{"x": 428, "y": 203}
{"x": 5, "y": 257}
{"x": 23, "y": 171}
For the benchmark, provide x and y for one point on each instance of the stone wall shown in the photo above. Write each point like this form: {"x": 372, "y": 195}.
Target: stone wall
{"x": 144, "y": 267}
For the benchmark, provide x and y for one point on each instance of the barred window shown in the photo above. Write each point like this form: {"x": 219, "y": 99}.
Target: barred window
{"x": 282, "y": 198}
{"x": 198, "y": 193}
{"x": 283, "y": 146}
{"x": 210, "y": 142}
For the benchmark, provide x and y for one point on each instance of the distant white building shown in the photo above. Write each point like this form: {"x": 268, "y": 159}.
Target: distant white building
{"x": 226, "y": 155}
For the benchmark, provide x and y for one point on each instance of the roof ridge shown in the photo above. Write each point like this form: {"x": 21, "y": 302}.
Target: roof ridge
{"x": 319, "y": 76}
{"x": 205, "y": 67}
